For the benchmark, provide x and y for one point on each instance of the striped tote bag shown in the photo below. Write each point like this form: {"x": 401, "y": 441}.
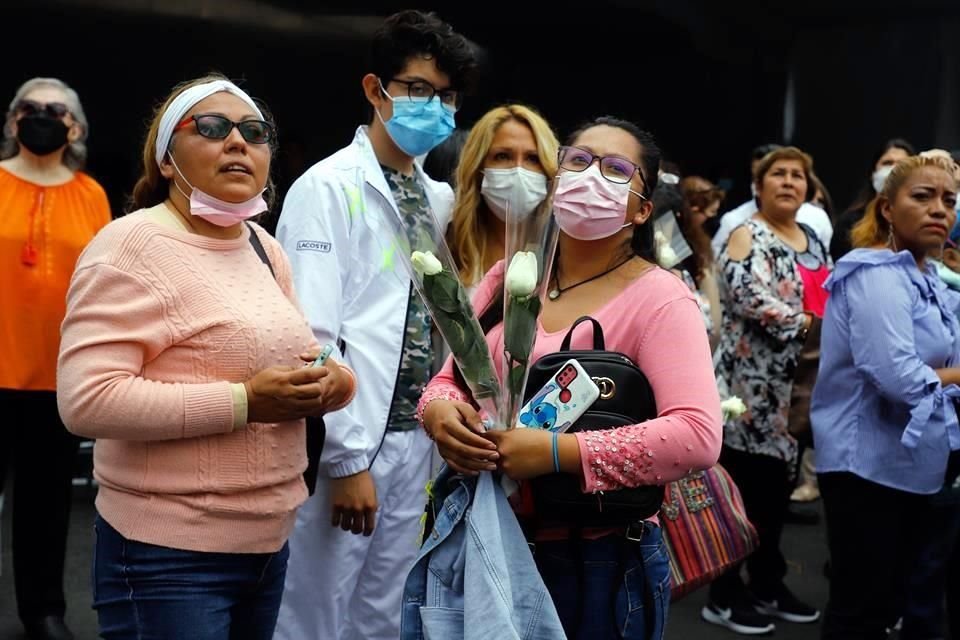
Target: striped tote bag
{"x": 706, "y": 529}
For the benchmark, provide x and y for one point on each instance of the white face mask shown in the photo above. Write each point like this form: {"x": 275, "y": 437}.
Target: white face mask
{"x": 518, "y": 189}
{"x": 880, "y": 177}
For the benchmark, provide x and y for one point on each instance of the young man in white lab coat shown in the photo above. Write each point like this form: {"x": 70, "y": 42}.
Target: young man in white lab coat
{"x": 342, "y": 585}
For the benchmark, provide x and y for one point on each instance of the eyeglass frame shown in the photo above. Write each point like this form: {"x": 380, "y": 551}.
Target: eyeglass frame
{"x": 594, "y": 158}
{"x": 271, "y": 141}
{"x": 458, "y": 95}
{"x": 41, "y": 107}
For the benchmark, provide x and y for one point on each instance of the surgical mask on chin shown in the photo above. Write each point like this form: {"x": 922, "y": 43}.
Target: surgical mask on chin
{"x": 417, "y": 125}
{"x": 588, "y": 206}
{"x": 518, "y": 190}
{"x": 879, "y": 177}
{"x": 216, "y": 211}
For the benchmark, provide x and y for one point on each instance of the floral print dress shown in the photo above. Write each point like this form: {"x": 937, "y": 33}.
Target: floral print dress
{"x": 762, "y": 337}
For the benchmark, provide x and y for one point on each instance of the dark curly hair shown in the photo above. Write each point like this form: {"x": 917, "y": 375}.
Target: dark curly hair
{"x": 410, "y": 33}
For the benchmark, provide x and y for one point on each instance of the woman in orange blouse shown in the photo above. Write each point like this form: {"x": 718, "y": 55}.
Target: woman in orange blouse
{"x": 49, "y": 211}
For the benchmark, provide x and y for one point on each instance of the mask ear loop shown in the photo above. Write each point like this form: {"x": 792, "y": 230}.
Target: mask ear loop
{"x": 182, "y": 177}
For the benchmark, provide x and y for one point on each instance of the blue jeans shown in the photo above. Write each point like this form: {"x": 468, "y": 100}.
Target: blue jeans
{"x": 608, "y": 588}
{"x": 935, "y": 531}
{"x": 147, "y": 592}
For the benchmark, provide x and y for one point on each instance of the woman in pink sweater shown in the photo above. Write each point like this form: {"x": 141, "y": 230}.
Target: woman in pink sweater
{"x": 183, "y": 354}
{"x": 605, "y": 269}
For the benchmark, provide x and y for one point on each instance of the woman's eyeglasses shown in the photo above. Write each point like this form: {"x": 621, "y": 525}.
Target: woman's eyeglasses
{"x": 56, "y": 110}
{"x": 613, "y": 168}
{"x": 219, "y": 127}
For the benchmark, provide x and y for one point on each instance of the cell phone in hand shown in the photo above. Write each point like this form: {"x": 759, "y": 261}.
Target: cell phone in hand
{"x": 324, "y": 354}
{"x": 561, "y": 402}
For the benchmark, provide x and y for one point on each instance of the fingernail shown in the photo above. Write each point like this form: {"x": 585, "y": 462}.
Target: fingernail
{"x": 494, "y": 456}
{"x": 491, "y": 467}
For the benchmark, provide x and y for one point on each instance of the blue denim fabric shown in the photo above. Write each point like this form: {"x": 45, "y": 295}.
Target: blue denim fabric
{"x": 475, "y": 577}
{"x": 146, "y": 592}
{"x": 598, "y": 586}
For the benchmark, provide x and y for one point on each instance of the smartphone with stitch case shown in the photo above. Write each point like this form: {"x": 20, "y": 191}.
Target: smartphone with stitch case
{"x": 561, "y": 402}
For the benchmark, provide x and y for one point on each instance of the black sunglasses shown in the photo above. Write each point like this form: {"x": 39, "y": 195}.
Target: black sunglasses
{"x": 56, "y": 110}
{"x": 219, "y": 127}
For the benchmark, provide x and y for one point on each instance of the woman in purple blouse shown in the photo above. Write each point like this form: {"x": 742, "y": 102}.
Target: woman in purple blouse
{"x": 882, "y": 412}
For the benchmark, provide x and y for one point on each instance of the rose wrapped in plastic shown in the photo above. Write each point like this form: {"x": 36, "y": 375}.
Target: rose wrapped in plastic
{"x": 433, "y": 274}
{"x": 531, "y": 241}
{"x": 450, "y": 309}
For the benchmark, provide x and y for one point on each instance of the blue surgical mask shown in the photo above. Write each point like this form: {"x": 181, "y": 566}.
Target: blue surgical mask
{"x": 418, "y": 124}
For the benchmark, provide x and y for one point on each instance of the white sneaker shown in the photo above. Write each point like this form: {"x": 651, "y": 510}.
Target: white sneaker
{"x": 739, "y": 620}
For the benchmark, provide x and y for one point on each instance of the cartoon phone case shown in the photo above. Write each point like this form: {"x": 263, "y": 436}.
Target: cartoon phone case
{"x": 561, "y": 402}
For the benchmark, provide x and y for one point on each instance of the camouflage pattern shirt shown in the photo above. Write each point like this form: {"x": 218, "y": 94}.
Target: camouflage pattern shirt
{"x": 416, "y": 361}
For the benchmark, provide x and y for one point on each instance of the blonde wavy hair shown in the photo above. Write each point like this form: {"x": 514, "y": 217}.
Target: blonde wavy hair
{"x": 468, "y": 233}
{"x": 873, "y": 229}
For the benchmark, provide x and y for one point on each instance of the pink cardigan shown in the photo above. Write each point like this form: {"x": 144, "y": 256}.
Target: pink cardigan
{"x": 159, "y": 323}
{"x": 657, "y": 323}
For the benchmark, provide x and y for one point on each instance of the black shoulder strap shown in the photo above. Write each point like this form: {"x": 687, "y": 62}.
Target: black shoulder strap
{"x": 316, "y": 428}
{"x": 258, "y": 247}
{"x": 598, "y": 341}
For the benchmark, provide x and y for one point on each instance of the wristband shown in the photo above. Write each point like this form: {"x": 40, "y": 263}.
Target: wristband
{"x": 556, "y": 453}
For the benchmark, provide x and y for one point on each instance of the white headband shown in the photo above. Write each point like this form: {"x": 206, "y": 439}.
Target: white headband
{"x": 186, "y": 101}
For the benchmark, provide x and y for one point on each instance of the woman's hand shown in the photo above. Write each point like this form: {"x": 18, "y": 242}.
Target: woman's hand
{"x": 278, "y": 394}
{"x": 456, "y": 427}
{"x": 337, "y": 387}
{"x": 528, "y": 453}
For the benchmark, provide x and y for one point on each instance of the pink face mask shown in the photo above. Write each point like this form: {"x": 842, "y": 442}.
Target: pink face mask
{"x": 588, "y": 206}
{"x": 216, "y": 211}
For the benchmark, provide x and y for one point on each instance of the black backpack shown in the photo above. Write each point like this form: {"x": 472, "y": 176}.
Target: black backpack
{"x": 625, "y": 398}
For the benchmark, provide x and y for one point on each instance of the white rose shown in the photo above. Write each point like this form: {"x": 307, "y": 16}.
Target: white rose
{"x": 666, "y": 256}
{"x": 425, "y": 263}
{"x": 732, "y": 407}
{"x": 522, "y": 274}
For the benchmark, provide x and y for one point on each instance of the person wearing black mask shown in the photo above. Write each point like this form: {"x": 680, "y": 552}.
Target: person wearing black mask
{"x": 50, "y": 211}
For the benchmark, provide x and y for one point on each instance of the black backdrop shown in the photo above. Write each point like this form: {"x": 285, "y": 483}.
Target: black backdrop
{"x": 710, "y": 80}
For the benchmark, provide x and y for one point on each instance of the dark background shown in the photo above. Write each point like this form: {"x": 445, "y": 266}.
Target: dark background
{"x": 709, "y": 79}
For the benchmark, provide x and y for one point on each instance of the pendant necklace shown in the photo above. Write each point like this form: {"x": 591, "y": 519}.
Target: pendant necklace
{"x": 558, "y": 290}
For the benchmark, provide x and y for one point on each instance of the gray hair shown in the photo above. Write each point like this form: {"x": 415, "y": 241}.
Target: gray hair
{"x": 75, "y": 155}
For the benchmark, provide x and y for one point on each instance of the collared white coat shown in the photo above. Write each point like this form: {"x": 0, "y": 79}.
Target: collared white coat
{"x": 352, "y": 288}
{"x": 355, "y": 291}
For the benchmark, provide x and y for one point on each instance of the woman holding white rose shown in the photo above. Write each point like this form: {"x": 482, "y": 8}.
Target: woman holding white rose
{"x": 605, "y": 268}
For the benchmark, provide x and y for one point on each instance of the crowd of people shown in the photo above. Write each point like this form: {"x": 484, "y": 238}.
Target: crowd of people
{"x": 206, "y": 357}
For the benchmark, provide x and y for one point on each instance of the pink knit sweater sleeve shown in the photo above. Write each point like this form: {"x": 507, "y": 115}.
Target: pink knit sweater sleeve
{"x": 444, "y": 385}
{"x": 687, "y": 433}
{"x": 113, "y": 325}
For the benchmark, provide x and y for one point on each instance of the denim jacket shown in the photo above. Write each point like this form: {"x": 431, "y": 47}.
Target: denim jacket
{"x": 475, "y": 577}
